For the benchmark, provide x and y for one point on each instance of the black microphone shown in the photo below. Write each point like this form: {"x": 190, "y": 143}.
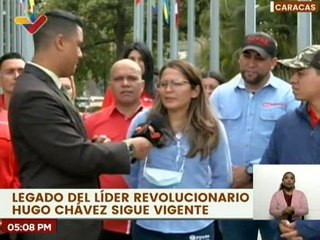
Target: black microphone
{"x": 151, "y": 129}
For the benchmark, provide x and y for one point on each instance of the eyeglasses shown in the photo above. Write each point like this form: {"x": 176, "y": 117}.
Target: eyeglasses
{"x": 173, "y": 84}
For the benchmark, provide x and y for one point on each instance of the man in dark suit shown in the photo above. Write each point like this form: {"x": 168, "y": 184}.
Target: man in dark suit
{"x": 48, "y": 135}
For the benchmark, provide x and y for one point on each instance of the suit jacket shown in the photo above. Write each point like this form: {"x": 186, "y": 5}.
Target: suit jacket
{"x": 53, "y": 150}
{"x": 298, "y": 202}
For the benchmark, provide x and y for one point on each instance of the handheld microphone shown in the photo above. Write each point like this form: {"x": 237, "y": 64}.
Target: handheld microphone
{"x": 151, "y": 130}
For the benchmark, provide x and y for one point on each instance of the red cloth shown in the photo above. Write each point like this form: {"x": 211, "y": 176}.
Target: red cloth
{"x": 2, "y": 102}
{"x": 109, "y": 100}
{"x": 9, "y": 172}
{"x": 314, "y": 119}
{"x": 110, "y": 122}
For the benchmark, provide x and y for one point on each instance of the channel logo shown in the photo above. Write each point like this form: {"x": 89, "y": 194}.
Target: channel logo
{"x": 294, "y": 6}
{"x": 32, "y": 23}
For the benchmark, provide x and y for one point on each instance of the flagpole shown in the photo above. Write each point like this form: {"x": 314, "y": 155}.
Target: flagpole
{"x": 14, "y": 29}
{"x": 141, "y": 21}
{"x": 250, "y": 16}
{"x": 19, "y": 29}
{"x": 135, "y": 21}
{"x": 149, "y": 24}
{"x": 160, "y": 35}
{"x": 215, "y": 35}
{"x": 191, "y": 25}
{"x": 1, "y": 27}
{"x": 304, "y": 30}
{"x": 7, "y": 27}
{"x": 173, "y": 31}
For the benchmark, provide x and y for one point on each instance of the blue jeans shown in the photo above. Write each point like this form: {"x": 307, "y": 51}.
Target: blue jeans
{"x": 248, "y": 229}
{"x": 140, "y": 233}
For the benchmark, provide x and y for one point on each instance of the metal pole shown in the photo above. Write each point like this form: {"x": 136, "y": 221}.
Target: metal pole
{"x": 304, "y": 30}
{"x": 141, "y": 21}
{"x": 191, "y": 26}
{"x": 1, "y": 27}
{"x": 173, "y": 31}
{"x": 135, "y": 21}
{"x": 250, "y": 17}
{"x": 14, "y": 26}
{"x": 215, "y": 35}
{"x": 8, "y": 28}
{"x": 149, "y": 24}
{"x": 160, "y": 35}
{"x": 19, "y": 35}
{"x": 27, "y": 48}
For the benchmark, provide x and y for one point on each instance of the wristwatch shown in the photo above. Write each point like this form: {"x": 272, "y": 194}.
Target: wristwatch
{"x": 249, "y": 170}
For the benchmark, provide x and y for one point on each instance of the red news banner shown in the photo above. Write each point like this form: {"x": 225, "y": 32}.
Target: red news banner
{"x": 29, "y": 225}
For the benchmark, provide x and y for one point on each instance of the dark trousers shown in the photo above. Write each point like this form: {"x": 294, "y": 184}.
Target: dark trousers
{"x": 217, "y": 232}
{"x": 140, "y": 233}
{"x": 108, "y": 235}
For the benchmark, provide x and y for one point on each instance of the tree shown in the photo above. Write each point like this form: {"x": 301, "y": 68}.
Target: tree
{"x": 282, "y": 26}
{"x": 107, "y": 27}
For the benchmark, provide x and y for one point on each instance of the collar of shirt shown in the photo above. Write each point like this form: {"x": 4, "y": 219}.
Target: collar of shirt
{"x": 103, "y": 122}
{"x": 314, "y": 119}
{"x": 114, "y": 109}
{"x": 105, "y": 113}
{"x": 53, "y": 76}
{"x": 272, "y": 82}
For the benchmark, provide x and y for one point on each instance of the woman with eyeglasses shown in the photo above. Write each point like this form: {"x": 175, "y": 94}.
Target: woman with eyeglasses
{"x": 193, "y": 150}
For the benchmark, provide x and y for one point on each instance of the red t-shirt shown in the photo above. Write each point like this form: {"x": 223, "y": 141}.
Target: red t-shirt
{"x": 9, "y": 172}
{"x": 110, "y": 122}
{"x": 314, "y": 119}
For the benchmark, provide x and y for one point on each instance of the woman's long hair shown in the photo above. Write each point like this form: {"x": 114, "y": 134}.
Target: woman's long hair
{"x": 202, "y": 127}
{"x": 148, "y": 64}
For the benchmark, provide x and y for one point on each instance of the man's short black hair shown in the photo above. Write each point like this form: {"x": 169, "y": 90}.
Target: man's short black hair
{"x": 10, "y": 55}
{"x": 58, "y": 22}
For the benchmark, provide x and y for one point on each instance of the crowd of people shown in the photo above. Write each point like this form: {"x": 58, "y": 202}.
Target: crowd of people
{"x": 212, "y": 132}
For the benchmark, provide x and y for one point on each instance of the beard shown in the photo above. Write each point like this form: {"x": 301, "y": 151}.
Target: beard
{"x": 254, "y": 79}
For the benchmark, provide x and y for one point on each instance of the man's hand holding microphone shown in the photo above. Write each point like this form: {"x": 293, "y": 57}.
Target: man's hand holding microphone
{"x": 144, "y": 138}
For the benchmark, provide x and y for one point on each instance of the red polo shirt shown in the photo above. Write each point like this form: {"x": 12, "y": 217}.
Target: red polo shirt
{"x": 314, "y": 119}
{"x": 110, "y": 122}
{"x": 2, "y": 102}
{"x": 9, "y": 172}
{"x": 146, "y": 101}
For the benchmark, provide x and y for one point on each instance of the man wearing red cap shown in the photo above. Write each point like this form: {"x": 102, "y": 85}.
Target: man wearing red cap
{"x": 249, "y": 106}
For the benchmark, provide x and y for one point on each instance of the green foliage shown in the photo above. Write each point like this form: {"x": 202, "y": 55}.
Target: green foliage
{"x": 283, "y": 27}
{"x": 107, "y": 27}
